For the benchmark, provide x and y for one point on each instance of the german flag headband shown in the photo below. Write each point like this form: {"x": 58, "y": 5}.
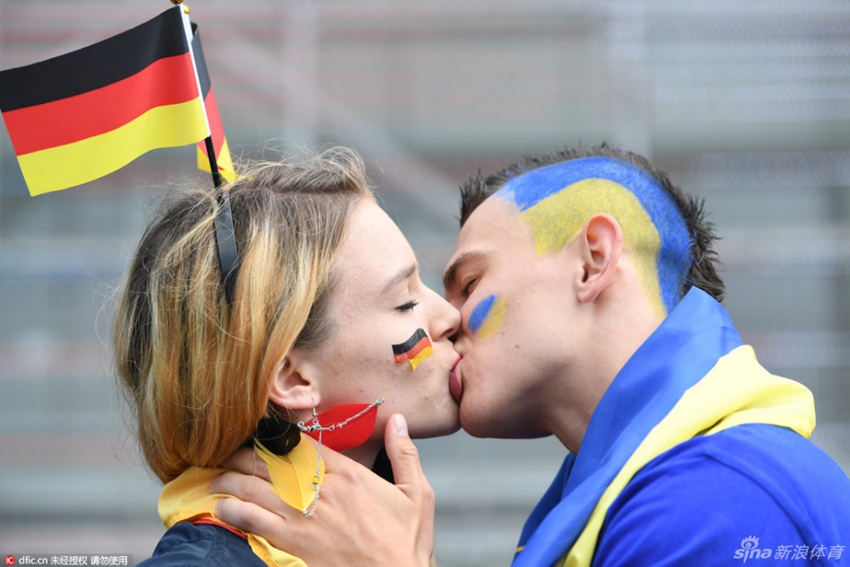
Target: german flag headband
{"x": 225, "y": 241}
{"x": 80, "y": 116}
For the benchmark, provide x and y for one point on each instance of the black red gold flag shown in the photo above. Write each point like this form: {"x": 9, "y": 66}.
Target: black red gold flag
{"x": 414, "y": 350}
{"x": 222, "y": 151}
{"x": 82, "y": 115}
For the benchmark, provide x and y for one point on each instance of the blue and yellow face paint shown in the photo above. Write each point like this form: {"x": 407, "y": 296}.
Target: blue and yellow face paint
{"x": 487, "y": 317}
{"x": 557, "y": 200}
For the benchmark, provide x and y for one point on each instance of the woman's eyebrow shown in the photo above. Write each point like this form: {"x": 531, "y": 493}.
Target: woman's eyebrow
{"x": 399, "y": 277}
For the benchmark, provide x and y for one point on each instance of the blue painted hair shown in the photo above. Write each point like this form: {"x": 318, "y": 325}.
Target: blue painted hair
{"x": 674, "y": 255}
{"x": 687, "y": 257}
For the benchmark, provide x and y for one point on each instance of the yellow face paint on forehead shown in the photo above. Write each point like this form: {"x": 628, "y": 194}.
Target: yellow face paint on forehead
{"x": 557, "y": 220}
{"x": 557, "y": 200}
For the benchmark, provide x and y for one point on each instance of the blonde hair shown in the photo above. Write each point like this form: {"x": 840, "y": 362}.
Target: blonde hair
{"x": 196, "y": 369}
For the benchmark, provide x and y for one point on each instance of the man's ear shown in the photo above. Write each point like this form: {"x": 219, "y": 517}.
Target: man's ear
{"x": 295, "y": 385}
{"x": 600, "y": 242}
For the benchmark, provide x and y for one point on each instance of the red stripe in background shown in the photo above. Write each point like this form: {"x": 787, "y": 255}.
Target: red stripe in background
{"x": 170, "y": 80}
{"x": 216, "y": 129}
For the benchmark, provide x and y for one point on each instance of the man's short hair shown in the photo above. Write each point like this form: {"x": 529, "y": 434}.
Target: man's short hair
{"x": 701, "y": 273}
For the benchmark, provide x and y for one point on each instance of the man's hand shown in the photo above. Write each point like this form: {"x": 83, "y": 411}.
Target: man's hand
{"x": 360, "y": 520}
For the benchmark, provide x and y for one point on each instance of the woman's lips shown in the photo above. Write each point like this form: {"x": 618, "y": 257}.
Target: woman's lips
{"x": 455, "y": 386}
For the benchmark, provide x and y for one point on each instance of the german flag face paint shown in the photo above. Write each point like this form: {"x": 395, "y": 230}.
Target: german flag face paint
{"x": 487, "y": 317}
{"x": 414, "y": 350}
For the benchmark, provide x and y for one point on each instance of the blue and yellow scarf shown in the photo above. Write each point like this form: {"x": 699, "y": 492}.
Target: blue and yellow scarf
{"x": 693, "y": 376}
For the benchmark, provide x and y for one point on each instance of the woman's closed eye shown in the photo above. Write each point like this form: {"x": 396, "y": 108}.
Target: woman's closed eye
{"x": 407, "y": 306}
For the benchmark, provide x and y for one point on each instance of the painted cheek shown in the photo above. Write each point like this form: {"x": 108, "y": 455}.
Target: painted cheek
{"x": 414, "y": 350}
{"x": 487, "y": 317}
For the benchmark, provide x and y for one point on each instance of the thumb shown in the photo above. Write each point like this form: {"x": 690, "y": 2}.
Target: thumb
{"x": 411, "y": 481}
{"x": 404, "y": 456}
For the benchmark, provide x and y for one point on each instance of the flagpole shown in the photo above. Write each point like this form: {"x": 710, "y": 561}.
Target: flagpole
{"x": 216, "y": 175}
{"x": 225, "y": 236}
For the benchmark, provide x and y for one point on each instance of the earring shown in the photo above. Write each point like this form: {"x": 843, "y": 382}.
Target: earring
{"x": 338, "y": 441}
{"x": 277, "y": 435}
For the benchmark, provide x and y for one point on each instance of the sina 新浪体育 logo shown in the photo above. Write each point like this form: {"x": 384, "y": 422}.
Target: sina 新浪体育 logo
{"x": 750, "y": 550}
{"x": 790, "y": 552}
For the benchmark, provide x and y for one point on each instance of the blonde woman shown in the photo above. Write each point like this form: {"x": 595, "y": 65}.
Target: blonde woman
{"x": 329, "y": 332}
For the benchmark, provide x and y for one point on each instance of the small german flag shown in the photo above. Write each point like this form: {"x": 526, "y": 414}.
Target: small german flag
{"x": 414, "y": 350}
{"x": 82, "y": 115}
{"x": 222, "y": 151}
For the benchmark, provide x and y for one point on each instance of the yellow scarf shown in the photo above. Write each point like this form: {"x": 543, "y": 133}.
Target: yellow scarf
{"x": 187, "y": 498}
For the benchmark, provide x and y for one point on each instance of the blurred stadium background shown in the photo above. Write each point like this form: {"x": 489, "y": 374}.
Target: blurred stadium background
{"x": 745, "y": 103}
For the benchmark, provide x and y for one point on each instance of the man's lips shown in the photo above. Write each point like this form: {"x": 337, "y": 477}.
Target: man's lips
{"x": 455, "y": 386}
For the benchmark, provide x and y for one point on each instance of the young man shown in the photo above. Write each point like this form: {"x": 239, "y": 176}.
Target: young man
{"x": 590, "y": 311}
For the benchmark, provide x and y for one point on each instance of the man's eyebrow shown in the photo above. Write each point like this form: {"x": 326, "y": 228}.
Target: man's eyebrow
{"x": 399, "y": 277}
{"x": 450, "y": 277}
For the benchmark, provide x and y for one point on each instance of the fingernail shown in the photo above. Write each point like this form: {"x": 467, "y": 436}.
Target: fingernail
{"x": 214, "y": 485}
{"x": 400, "y": 424}
{"x": 218, "y": 506}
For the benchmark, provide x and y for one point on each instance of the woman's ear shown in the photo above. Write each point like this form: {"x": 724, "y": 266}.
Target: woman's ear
{"x": 295, "y": 386}
{"x": 600, "y": 242}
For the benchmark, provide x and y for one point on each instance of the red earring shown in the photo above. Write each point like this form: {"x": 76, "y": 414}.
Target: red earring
{"x": 350, "y": 425}
{"x": 340, "y": 435}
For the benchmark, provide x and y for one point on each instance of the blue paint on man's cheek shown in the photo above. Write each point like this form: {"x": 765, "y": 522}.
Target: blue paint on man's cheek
{"x": 476, "y": 318}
